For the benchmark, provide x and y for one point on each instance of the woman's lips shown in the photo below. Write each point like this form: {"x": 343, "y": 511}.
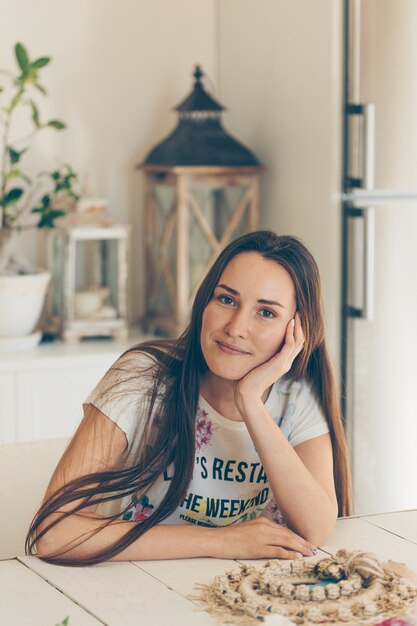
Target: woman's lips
{"x": 230, "y": 349}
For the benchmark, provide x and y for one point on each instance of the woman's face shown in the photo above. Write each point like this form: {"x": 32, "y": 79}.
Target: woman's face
{"x": 244, "y": 323}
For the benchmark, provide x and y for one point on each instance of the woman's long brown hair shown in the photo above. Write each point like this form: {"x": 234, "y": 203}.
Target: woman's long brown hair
{"x": 179, "y": 366}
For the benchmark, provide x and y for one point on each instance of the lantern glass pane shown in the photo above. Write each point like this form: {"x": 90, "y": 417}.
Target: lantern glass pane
{"x": 88, "y": 270}
{"x": 56, "y": 264}
{"x": 163, "y": 241}
{"x": 162, "y": 300}
{"x": 111, "y": 271}
{"x": 201, "y": 250}
{"x": 217, "y": 205}
{"x": 97, "y": 271}
{"x": 229, "y": 198}
{"x": 165, "y": 222}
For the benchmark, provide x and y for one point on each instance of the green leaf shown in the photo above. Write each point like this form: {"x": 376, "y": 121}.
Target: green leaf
{"x": 46, "y": 201}
{"x": 57, "y": 213}
{"x": 22, "y": 57}
{"x": 43, "y": 222}
{"x": 35, "y": 114}
{"x": 12, "y": 196}
{"x": 48, "y": 218}
{"x": 64, "y": 622}
{"x": 13, "y": 173}
{"x": 14, "y": 155}
{"x": 40, "y": 88}
{"x": 15, "y": 100}
{"x": 56, "y": 124}
{"x": 41, "y": 62}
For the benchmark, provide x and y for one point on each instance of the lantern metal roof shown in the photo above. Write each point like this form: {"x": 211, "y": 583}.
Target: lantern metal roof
{"x": 199, "y": 138}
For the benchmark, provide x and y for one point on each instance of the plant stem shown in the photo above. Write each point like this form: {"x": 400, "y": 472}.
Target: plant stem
{"x": 27, "y": 137}
{"x": 27, "y": 227}
{"x": 3, "y": 166}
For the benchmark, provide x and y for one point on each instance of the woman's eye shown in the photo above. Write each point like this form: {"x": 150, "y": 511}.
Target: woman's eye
{"x": 225, "y": 299}
{"x": 267, "y": 313}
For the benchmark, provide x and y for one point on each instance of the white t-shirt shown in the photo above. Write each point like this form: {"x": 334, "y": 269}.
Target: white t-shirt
{"x": 229, "y": 483}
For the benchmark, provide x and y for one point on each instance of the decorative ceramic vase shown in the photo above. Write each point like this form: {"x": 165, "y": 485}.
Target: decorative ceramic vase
{"x": 21, "y": 302}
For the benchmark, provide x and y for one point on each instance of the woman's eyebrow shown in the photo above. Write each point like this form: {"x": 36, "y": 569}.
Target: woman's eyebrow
{"x": 236, "y": 293}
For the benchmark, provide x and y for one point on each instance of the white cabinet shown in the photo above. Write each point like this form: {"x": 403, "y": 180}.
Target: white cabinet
{"x": 7, "y": 407}
{"x": 49, "y": 401}
{"x": 41, "y": 392}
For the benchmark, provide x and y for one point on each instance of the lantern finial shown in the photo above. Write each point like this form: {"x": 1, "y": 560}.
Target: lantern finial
{"x": 198, "y": 75}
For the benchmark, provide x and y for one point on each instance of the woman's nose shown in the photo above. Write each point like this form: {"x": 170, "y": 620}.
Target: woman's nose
{"x": 238, "y": 324}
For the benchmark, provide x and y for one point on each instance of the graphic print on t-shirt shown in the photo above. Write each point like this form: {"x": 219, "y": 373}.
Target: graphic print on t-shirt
{"x": 229, "y": 484}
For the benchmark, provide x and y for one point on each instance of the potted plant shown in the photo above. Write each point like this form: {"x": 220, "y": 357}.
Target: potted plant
{"x": 25, "y": 203}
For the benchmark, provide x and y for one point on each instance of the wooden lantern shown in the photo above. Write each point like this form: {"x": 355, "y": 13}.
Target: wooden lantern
{"x": 168, "y": 243}
{"x": 201, "y": 190}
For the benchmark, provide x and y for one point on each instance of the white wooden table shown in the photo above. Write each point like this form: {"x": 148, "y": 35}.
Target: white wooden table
{"x": 154, "y": 593}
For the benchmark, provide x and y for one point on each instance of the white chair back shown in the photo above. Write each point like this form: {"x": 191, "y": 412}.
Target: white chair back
{"x": 25, "y": 471}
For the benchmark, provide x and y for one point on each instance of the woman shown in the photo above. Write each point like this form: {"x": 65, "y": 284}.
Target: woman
{"x": 226, "y": 442}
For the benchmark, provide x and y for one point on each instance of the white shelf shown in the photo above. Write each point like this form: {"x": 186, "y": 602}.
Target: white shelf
{"x": 59, "y": 354}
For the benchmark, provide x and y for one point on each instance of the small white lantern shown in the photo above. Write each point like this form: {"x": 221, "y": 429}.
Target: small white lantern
{"x": 88, "y": 261}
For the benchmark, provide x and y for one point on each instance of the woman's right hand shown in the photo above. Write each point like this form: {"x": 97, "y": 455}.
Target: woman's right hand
{"x": 259, "y": 539}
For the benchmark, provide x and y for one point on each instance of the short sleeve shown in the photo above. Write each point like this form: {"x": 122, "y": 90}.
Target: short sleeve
{"x": 309, "y": 419}
{"x": 124, "y": 391}
{"x": 297, "y": 411}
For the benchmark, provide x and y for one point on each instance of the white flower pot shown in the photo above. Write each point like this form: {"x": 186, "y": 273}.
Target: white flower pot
{"x": 21, "y": 303}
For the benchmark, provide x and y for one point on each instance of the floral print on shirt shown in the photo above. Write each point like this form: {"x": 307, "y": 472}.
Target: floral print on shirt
{"x": 203, "y": 429}
{"x": 276, "y": 514}
{"x": 140, "y": 510}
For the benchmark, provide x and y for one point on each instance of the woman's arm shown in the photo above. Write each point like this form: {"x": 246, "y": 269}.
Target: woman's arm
{"x": 99, "y": 445}
{"x": 259, "y": 538}
{"x": 301, "y": 478}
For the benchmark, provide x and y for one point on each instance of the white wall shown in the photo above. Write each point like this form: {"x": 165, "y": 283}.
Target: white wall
{"x": 280, "y": 77}
{"x": 118, "y": 70}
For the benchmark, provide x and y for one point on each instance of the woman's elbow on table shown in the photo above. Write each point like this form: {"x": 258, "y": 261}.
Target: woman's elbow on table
{"x": 46, "y": 545}
{"x": 64, "y": 541}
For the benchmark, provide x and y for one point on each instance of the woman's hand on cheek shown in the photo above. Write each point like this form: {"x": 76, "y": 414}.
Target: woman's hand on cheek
{"x": 250, "y": 389}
